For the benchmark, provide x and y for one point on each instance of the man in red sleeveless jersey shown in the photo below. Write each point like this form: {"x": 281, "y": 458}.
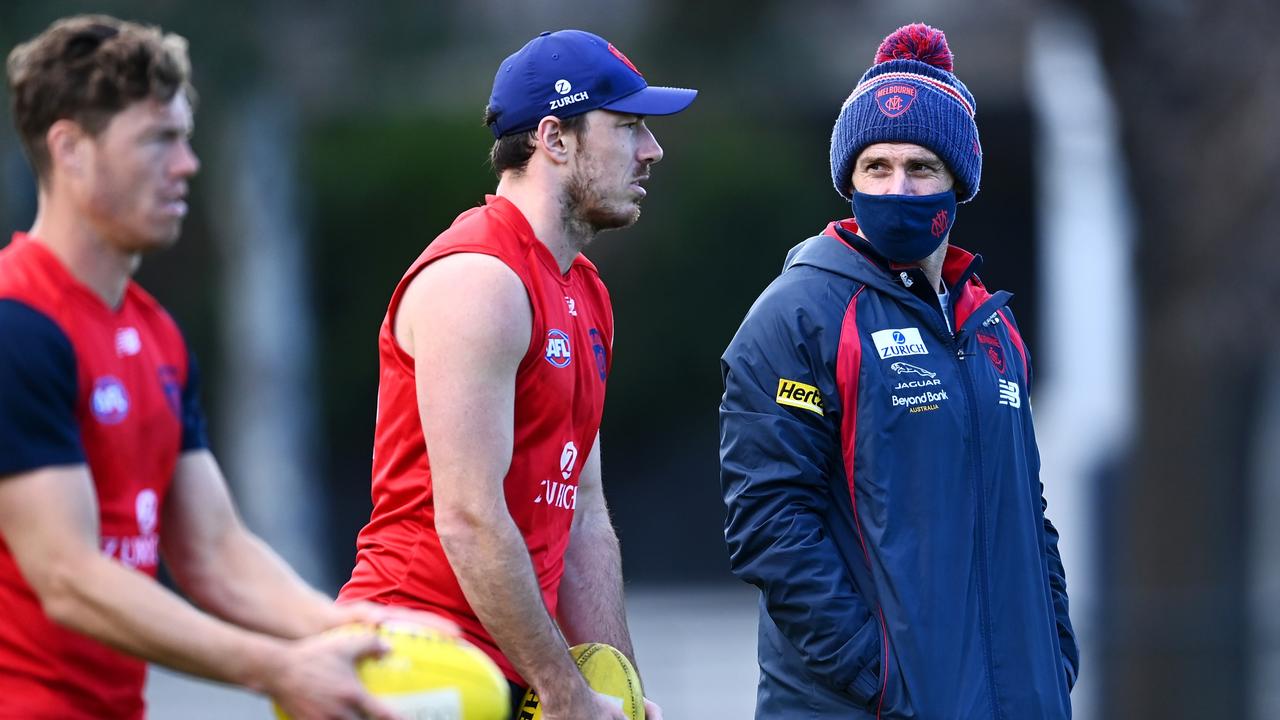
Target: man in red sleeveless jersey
{"x": 104, "y": 466}
{"x": 494, "y": 355}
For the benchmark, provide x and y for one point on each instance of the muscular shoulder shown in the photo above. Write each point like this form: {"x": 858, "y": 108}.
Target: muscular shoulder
{"x": 465, "y": 295}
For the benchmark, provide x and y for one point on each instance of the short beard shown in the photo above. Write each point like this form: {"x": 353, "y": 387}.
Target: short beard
{"x": 585, "y": 213}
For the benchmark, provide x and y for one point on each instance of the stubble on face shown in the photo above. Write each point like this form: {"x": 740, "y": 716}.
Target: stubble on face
{"x": 589, "y": 205}
{"x": 137, "y": 195}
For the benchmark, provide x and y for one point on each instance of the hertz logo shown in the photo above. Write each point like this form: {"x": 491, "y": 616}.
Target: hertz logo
{"x": 797, "y": 394}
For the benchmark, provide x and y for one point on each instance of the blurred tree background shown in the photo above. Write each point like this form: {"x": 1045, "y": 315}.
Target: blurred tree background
{"x": 339, "y": 138}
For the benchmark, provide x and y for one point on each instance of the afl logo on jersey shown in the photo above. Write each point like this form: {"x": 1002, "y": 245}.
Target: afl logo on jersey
{"x": 110, "y": 402}
{"x": 558, "y": 352}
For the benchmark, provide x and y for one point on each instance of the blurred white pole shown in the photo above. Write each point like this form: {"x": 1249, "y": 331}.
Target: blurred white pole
{"x": 267, "y": 336}
{"x": 1264, "y": 564}
{"x": 1085, "y": 397}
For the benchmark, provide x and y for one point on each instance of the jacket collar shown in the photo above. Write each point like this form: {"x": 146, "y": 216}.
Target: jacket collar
{"x": 840, "y": 250}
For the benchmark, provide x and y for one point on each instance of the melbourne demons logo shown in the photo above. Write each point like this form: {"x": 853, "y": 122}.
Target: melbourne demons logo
{"x": 172, "y": 388}
{"x": 558, "y": 353}
{"x": 893, "y": 100}
{"x": 939, "y": 224}
{"x": 618, "y": 54}
{"x": 994, "y": 352}
{"x": 597, "y": 348}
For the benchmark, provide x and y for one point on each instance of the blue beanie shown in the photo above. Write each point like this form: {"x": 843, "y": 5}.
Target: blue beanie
{"x": 910, "y": 95}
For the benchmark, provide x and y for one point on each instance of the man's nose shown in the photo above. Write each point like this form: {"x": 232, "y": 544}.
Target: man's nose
{"x": 187, "y": 163}
{"x": 649, "y": 151}
{"x": 899, "y": 182}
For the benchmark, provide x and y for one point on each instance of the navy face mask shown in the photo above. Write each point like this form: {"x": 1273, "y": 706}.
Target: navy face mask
{"x": 905, "y": 228}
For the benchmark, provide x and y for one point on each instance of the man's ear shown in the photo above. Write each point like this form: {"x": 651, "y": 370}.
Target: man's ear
{"x": 67, "y": 147}
{"x": 551, "y": 138}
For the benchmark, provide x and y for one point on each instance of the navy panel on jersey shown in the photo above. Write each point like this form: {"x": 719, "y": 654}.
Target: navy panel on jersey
{"x": 194, "y": 434}
{"x": 37, "y": 392}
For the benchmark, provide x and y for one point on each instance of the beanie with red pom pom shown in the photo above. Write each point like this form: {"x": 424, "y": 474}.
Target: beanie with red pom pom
{"x": 910, "y": 96}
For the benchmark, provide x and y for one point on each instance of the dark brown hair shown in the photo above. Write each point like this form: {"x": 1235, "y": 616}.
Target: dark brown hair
{"x": 512, "y": 152}
{"x": 87, "y": 68}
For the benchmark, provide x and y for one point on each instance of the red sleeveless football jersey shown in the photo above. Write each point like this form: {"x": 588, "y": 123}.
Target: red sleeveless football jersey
{"x": 559, "y": 397}
{"x": 130, "y": 368}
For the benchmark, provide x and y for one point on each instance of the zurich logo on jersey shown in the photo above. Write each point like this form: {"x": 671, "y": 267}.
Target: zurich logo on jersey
{"x": 110, "y": 401}
{"x": 558, "y": 353}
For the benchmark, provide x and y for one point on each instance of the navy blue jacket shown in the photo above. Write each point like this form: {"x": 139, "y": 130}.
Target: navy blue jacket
{"x": 881, "y": 478}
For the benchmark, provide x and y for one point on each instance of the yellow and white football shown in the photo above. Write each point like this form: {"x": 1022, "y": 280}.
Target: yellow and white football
{"x": 429, "y": 674}
{"x": 608, "y": 672}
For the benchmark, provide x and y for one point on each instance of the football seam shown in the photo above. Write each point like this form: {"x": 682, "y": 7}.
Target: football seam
{"x": 622, "y": 660}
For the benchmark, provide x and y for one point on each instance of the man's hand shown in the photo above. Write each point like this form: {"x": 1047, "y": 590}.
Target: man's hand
{"x": 590, "y": 705}
{"x": 315, "y": 679}
{"x": 651, "y": 710}
{"x": 370, "y": 613}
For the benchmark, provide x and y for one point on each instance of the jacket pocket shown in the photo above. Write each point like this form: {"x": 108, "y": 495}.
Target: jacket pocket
{"x": 894, "y": 701}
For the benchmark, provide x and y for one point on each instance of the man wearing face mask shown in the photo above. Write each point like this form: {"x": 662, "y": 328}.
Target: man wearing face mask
{"x": 878, "y": 459}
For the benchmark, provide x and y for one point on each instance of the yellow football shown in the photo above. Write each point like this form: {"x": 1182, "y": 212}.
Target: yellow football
{"x": 608, "y": 672}
{"x": 430, "y": 675}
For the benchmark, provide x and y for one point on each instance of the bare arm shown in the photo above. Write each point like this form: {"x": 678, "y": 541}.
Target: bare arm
{"x": 205, "y": 544}
{"x": 49, "y": 519}
{"x": 591, "y": 605}
{"x": 592, "y": 608}
{"x": 467, "y": 322}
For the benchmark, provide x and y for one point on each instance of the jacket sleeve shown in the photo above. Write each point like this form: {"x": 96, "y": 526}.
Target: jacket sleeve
{"x": 1057, "y": 574}
{"x": 1058, "y": 585}
{"x": 776, "y": 466}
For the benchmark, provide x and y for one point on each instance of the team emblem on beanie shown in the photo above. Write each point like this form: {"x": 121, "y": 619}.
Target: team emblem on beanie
{"x": 893, "y": 100}
{"x": 910, "y": 95}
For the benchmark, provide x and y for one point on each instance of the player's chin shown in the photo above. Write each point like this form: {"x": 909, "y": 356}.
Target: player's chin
{"x": 153, "y": 239}
{"x": 615, "y": 217}
{"x": 163, "y": 238}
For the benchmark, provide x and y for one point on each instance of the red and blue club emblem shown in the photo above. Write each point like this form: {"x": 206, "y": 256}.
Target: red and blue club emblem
{"x": 994, "y": 352}
{"x": 895, "y": 99}
{"x": 597, "y": 348}
{"x": 172, "y": 387}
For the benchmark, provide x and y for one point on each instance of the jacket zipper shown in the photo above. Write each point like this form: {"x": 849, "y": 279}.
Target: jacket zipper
{"x": 940, "y": 326}
{"x": 971, "y": 397}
